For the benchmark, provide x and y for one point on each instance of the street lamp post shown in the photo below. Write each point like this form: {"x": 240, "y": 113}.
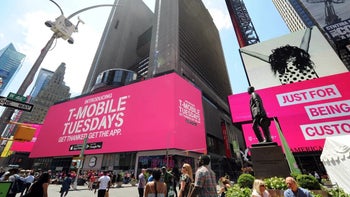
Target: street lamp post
{"x": 8, "y": 112}
{"x": 81, "y": 158}
{"x": 62, "y": 28}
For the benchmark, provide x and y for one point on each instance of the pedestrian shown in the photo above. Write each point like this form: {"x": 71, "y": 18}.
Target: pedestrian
{"x": 259, "y": 189}
{"x": 91, "y": 180}
{"x": 103, "y": 184}
{"x": 205, "y": 180}
{"x": 67, "y": 181}
{"x": 114, "y": 179}
{"x": 156, "y": 188}
{"x": 150, "y": 178}
{"x": 2, "y": 171}
{"x": 142, "y": 182}
{"x": 176, "y": 178}
{"x": 29, "y": 179}
{"x": 40, "y": 187}
{"x": 167, "y": 178}
{"x": 225, "y": 185}
{"x": 294, "y": 190}
{"x": 186, "y": 180}
{"x": 18, "y": 182}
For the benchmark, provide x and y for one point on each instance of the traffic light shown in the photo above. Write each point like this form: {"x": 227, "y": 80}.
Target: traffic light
{"x": 24, "y": 133}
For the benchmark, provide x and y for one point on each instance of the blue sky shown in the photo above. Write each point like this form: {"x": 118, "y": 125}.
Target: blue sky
{"x": 22, "y": 23}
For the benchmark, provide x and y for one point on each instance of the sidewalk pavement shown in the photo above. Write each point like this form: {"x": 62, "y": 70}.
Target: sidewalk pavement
{"x": 82, "y": 191}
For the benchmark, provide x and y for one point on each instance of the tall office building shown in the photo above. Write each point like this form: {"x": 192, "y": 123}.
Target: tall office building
{"x": 49, "y": 88}
{"x": 43, "y": 78}
{"x": 179, "y": 37}
{"x": 289, "y": 11}
{"x": 331, "y": 17}
{"x": 10, "y": 62}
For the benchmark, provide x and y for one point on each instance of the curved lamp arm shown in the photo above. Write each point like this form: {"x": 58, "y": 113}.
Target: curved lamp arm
{"x": 58, "y": 6}
{"x": 88, "y": 8}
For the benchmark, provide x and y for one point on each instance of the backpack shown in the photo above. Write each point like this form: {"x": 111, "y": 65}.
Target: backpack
{"x": 18, "y": 186}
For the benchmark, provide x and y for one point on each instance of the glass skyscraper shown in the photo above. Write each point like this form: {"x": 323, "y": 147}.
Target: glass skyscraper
{"x": 10, "y": 62}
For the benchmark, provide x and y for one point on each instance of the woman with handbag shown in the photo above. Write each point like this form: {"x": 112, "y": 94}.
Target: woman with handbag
{"x": 186, "y": 180}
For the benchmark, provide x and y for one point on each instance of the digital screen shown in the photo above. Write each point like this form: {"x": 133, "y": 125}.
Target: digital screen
{"x": 159, "y": 113}
{"x": 307, "y": 111}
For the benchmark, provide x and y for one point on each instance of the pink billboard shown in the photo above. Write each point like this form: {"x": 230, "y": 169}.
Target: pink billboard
{"x": 160, "y": 113}
{"x": 26, "y": 146}
{"x": 307, "y": 111}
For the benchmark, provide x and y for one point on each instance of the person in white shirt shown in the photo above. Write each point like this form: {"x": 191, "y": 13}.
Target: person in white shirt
{"x": 103, "y": 184}
{"x": 28, "y": 180}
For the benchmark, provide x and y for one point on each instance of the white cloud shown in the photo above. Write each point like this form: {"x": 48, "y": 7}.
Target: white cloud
{"x": 78, "y": 56}
{"x": 219, "y": 13}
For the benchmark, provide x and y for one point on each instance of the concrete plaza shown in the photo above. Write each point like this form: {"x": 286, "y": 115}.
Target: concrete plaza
{"x": 82, "y": 191}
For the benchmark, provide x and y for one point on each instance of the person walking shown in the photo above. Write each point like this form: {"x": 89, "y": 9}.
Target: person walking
{"x": 103, "y": 184}
{"x": 186, "y": 180}
{"x": 67, "y": 181}
{"x": 294, "y": 190}
{"x": 142, "y": 182}
{"x": 205, "y": 180}
{"x": 156, "y": 188}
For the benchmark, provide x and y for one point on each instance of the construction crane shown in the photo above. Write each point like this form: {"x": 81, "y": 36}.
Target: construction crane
{"x": 242, "y": 24}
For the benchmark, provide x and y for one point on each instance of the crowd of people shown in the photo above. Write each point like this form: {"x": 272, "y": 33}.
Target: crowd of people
{"x": 29, "y": 182}
{"x": 164, "y": 183}
{"x": 26, "y": 182}
{"x": 159, "y": 182}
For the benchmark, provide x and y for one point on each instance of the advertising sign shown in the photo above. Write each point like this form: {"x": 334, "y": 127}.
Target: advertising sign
{"x": 296, "y": 57}
{"x": 160, "y": 113}
{"x": 331, "y": 15}
{"x": 307, "y": 111}
{"x": 328, "y": 12}
{"x": 93, "y": 162}
{"x": 27, "y": 146}
{"x": 339, "y": 31}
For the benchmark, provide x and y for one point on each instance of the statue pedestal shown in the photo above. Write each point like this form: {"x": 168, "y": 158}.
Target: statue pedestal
{"x": 269, "y": 160}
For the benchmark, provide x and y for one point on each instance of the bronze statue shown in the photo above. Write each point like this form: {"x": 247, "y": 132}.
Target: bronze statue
{"x": 259, "y": 116}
